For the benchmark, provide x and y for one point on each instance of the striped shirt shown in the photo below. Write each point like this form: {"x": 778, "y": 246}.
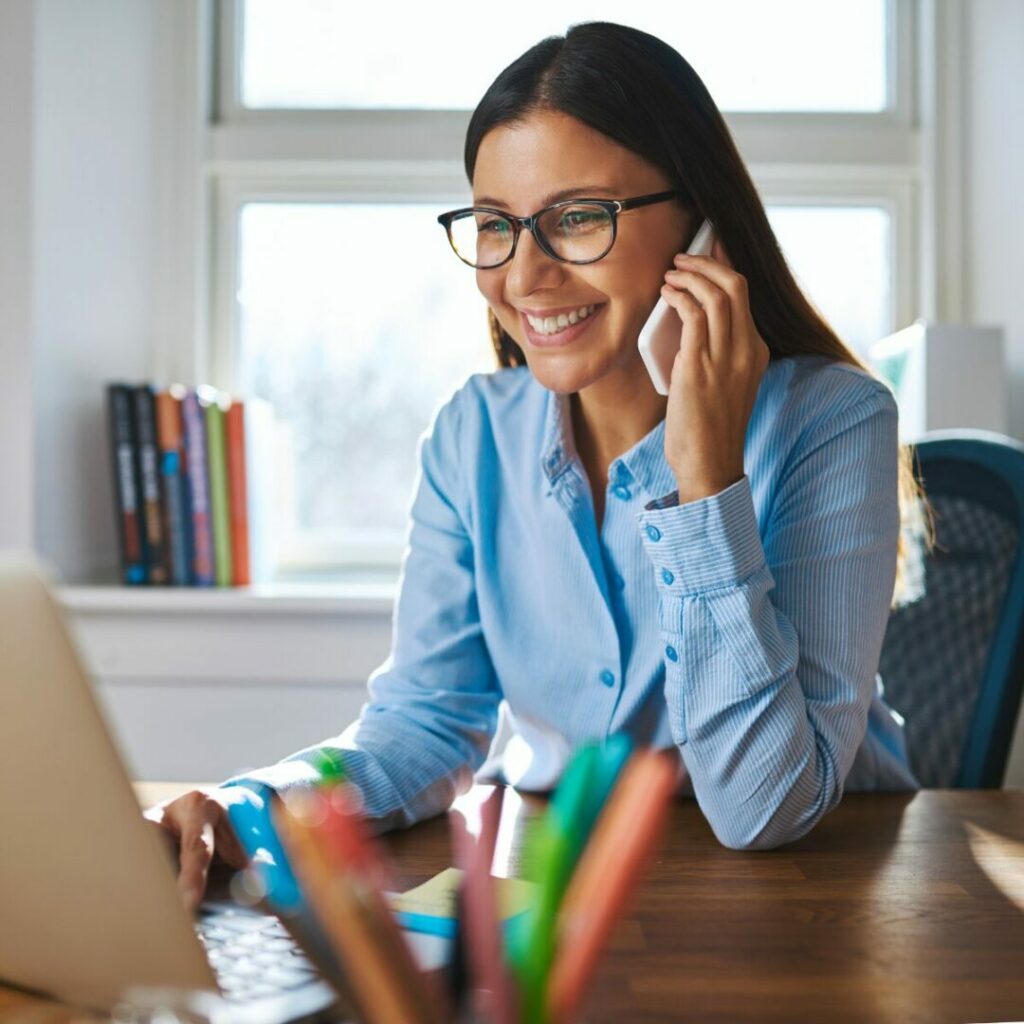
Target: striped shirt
{"x": 742, "y": 629}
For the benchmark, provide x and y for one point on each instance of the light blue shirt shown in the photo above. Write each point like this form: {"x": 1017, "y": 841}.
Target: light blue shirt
{"x": 742, "y": 629}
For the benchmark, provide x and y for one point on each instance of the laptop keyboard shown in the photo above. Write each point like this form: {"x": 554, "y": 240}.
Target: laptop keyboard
{"x": 252, "y": 955}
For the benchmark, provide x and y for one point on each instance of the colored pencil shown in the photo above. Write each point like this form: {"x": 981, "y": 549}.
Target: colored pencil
{"x": 492, "y": 983}
{"x": 608, "y": 870}
{"x": 387, "y": 985}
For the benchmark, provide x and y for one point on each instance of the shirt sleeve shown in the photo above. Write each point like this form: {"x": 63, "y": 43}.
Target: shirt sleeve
{"x": 433, "y": 704}
{"x": 771, "y": 648}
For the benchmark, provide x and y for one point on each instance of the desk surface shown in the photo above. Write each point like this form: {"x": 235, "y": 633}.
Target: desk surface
{"x": 895, "y": 908}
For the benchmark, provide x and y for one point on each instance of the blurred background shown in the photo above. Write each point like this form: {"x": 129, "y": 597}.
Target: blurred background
{"x": 244, "y": 193}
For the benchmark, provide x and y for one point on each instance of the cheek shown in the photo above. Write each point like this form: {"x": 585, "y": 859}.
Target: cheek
{"x": 492, "y": 289}
{"x": 489, "y": 287}
{"x": 640, "y": 264}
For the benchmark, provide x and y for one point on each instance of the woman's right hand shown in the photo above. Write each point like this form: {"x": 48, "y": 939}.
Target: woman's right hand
{"x": 198, "y": 832}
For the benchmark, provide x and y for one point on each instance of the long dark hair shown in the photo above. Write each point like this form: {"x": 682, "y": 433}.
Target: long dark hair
{"x": 642, "y": 94}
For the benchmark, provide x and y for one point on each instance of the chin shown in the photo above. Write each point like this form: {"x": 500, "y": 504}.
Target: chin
{"x": 563, "y": 374}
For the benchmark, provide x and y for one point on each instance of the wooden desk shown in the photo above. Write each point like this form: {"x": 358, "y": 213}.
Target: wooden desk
{"x": 895, "y": 908}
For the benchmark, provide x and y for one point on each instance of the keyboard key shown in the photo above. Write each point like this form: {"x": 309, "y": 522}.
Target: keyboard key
{"x": 281, "y": 978}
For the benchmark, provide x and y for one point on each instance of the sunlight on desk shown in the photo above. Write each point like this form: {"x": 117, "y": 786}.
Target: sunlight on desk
{"x": 1001, "y": 859}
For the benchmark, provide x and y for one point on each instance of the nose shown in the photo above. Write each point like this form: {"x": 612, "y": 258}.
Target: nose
{"x": 531, "y": 268}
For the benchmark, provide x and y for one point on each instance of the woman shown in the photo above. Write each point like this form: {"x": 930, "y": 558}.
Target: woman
{"x": 711, "y": 571}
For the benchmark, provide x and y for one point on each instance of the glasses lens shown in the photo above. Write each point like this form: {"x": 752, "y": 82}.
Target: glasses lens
{"x": 579, "y": 231}
{"x": 481, "y": 238}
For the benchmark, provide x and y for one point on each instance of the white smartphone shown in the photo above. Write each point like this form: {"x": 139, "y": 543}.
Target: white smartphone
{"x": 660, "y": 337}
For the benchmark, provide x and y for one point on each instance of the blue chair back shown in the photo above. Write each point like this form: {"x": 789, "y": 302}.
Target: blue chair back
{"x": 953, "y": 659}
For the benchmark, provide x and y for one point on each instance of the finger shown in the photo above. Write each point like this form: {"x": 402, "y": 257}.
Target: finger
{"x": 717, "y": 307}
{"x": 197, "y": 846}
{"x": 693, "y": 342}
{"x": 718, "y": 252}
{"x": 226, "y": 844}
{"x": 732, "y": 283}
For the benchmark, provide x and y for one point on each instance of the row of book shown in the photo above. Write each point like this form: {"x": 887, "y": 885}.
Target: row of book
{"x": 183, "y": 465}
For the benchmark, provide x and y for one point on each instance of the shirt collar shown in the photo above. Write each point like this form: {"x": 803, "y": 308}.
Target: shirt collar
{"x": 644, "y": 462}
{"x": 557, "y": 447}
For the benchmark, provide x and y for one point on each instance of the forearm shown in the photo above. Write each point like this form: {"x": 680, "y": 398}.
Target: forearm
{"x": 764, "y": 765}
{"x": 768, "y": 721}
{"x": 404, "y": 770}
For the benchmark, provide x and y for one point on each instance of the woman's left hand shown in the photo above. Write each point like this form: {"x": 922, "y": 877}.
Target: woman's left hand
{"x": 715, "y": 376}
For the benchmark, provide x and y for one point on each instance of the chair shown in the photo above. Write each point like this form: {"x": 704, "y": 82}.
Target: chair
{"x": 953, "y": 659}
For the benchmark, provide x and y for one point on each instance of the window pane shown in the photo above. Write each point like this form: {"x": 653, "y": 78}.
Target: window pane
{"x": 786, "y": 55}
{"x": 841, "y": 257}
{"x": 355, "y": 340}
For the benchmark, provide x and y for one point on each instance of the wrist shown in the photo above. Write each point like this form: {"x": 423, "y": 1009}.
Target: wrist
{"x": 695, "y": 489}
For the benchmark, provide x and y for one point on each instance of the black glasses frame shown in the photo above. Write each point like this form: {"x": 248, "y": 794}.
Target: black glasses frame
{"x": 613, "y": 206}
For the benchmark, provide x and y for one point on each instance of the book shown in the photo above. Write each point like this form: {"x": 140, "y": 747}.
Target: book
{"x": 238, "y": 496}
{"x": 261, "y": 486}
{"x": 212, "y": 402}
{"x": 171, "y": 461}
{"x": 193, "y": 419}
{"x": 146, "y": 466}
{"x": 126, "y": 504}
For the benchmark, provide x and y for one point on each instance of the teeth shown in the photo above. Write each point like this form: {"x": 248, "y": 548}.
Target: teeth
{"x": 550, "y": 324}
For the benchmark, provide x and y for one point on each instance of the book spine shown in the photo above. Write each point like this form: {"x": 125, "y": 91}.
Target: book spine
{"x": 175, "y": 503}
{"x": 262, "y": 485}
{"x": 122, "y": 449}
{"x": 149, "y": 480}
{"x": 195, "y": 456}
{"x": 234, "y": 428}
{"x": 220, "y": 512}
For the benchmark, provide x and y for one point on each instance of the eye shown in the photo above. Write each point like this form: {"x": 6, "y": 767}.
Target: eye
{"x": 494, "y": 226}
{"x": 582, "y": 219}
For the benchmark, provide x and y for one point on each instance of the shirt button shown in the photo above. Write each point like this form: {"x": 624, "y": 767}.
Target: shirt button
{"x": 608, "y": 678}
{"x": 667, "y": 577}
{"x": 654, "y": 533}
{"x": 671, "y": 653}
{"x": 622, "y": 491}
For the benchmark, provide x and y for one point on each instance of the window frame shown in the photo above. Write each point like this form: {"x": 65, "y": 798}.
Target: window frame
{"x": 889, "y": 159}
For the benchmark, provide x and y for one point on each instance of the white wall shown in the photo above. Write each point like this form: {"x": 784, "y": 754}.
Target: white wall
{"x": 994, "y": 179}
{"x": 16, "y": 63}
{"x": 94, "y": 214}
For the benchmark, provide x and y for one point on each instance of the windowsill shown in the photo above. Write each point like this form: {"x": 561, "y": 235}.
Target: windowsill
{"x": 356, "y": 596}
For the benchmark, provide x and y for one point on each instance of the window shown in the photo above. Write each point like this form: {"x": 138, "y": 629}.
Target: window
{"x": 354, "y": 344}
{"x": 319, "y": 162}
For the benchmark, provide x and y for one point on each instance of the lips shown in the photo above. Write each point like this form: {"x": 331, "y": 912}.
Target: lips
{"x": 559, "y": 338}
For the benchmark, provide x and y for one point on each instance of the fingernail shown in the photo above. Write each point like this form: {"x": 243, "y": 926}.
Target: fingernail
{"x": 681, "y": 257}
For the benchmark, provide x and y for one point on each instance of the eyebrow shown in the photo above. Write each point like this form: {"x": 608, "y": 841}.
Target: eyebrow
{"x": 566, "y": 193}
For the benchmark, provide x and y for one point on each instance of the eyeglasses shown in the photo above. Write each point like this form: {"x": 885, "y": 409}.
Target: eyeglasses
{"x": 573, "y": 231}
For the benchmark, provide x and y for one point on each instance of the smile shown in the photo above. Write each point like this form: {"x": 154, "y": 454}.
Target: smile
{"x": 560, "y": 329}
{"x": 552, "y": 324}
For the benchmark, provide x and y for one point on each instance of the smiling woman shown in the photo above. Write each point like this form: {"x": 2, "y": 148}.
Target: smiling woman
{"x": 708, "y": 571}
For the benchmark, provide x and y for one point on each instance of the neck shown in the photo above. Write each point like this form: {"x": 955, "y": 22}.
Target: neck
{"x": 612, "y": 414}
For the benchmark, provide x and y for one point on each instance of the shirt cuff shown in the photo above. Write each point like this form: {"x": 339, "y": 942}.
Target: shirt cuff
{"x": 704, "y": 544}
{"x": 279, "y": 777}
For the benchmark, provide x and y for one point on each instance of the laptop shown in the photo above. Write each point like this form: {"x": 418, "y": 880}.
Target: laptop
{"x": 89, "y": 909}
